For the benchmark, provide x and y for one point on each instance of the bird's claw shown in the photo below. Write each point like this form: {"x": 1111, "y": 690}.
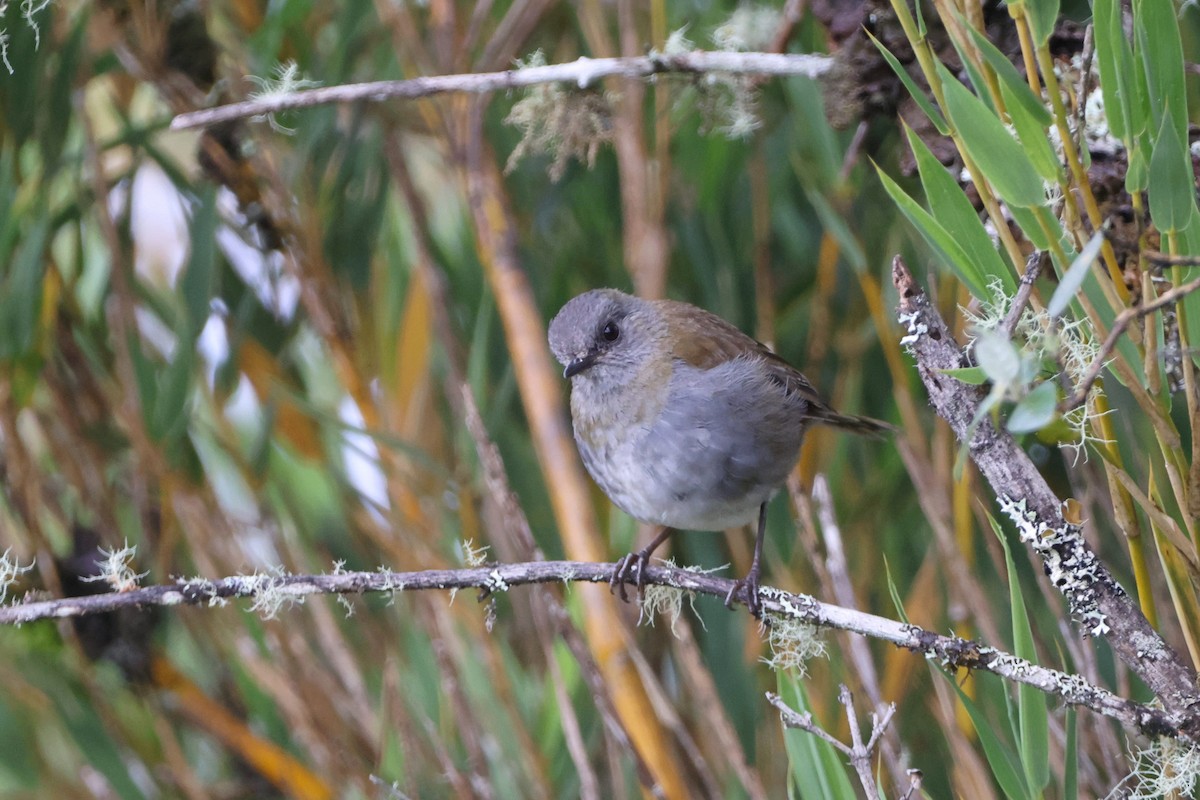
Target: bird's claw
{"x": 622, "y": 576}
{"x": 746, "y": 590}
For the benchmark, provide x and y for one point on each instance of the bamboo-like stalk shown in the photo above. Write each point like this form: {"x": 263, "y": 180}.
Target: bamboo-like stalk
{"x": 541, "y": 393}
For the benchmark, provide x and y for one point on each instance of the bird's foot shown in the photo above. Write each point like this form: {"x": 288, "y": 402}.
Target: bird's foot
{"x": 746, "y": 590}
{"x": 623, "y": 575}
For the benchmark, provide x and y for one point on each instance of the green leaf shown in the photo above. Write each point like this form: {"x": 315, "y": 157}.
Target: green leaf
{"x": 169, "y": 414}
{"x": 1157, "y": 30}
{"x": 1114, "y": 59}
{"x": 1071, "y": 756}
{"x": 999, "y": 156}
{"x": 21, "y": 302}
{"x": 1000, "y": 756}
{"x": 1075, "y": 276}
{"x": 915, "y": 91}
{"x": 1137, "y": 179}
{"x": 997, "y": 357}
{"x": 975, "y": 376}
{"x": 1008, "y": 76}
{"x": 1042, "y": 16}
{"x": 948, "y": 249}
{"x": 1032, "y": 134}
{"x": 1036, "y": 410}
{"x": 198, "y": 281}
{"x": 835, "y": 223}
{"x": 948, "y": 204}
{"x": 1172, "y": 185}
{"x": 1031, "y": 703}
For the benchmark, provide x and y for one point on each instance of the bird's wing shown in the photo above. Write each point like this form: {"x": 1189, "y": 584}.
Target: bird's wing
{"x": 704, "y": 340}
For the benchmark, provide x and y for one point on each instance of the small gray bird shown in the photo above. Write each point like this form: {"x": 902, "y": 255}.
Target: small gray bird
{"x": 683, "y": 420}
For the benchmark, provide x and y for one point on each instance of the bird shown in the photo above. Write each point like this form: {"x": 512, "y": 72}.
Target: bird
{"x": 684, "y": 421}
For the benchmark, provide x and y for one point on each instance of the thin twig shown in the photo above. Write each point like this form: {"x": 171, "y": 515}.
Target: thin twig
{"x": 857, "y": 752}
{"x": 583, "y": 72}
{"x": 1123, "y": 320}
{"x": 1033, "y": 268}
{"x": 276, "y": 591}
{"x": 858, "y": 649}
{"x": 1168, "y": 260}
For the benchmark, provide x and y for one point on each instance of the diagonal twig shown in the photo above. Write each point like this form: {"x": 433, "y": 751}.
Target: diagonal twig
{"x": 1122, "y": 322}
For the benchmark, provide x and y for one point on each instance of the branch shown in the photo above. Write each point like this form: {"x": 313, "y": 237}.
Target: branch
{"x": 1120, "y": 324}
{"x": 1095, "y": 599}
{"x": 582, "y": 72}
{"x": 271, "y": 592}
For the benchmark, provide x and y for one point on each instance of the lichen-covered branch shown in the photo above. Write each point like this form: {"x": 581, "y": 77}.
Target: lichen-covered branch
{"x": 271, "y": 592}
{"x": 583, "y": 72}
{"x": 1096, "y": 600}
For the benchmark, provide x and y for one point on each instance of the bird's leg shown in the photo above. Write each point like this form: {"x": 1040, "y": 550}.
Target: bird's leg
{"x": 641, "y": 558}
{"x": 748, "y": 586}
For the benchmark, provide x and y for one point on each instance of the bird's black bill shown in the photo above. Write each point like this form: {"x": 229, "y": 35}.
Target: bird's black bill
{"x": 579, "y": 365}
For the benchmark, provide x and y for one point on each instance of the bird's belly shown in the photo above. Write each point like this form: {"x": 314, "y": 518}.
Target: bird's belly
{"x": 680, "y": 487}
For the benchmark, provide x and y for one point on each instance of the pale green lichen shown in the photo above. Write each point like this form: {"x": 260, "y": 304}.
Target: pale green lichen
{"x": 564, "y": 124}
{"x": 793, "y": 643}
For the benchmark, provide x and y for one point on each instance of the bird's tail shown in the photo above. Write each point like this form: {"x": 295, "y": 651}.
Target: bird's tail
{"x": 865, "y": 426}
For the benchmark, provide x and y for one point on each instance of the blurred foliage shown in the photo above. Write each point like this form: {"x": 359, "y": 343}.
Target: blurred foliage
{"x": 244, "y": 350}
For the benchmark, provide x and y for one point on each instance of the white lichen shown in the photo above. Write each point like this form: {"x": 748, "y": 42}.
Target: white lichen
{"x": 287, "y": 80}
{"x": 1166, "y": 768}
{"x": 667, "y": 601}
{"x": 116, "y": 569}
{"x": 563, "y": 124}
{"x": 749, "y": 28}
{"x": 793, "y": 643}
{"x": 1069, "y": 563}
{"x": 10, "y": 570}
{"x": 471, "y": 555}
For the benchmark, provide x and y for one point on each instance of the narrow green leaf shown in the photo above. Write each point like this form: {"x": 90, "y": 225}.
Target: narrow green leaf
{"x": 999, "y": 156}
{"x": 1009, "y": 76}
{"x": 1032, "y": 715}
{"x": 1075, "y": 276}
{"x": 198, "y": 281}
{"x": 1000, "y": 757}
{"x": 1113, "y": 56}
{"x": 1157, "y": 30}
{"x": 169, "y": 414}
{"x": 948, "y": 204}
{"x": 915, "y": 91}
{"x": 835, "y": 223}
{"x": 22, "y": 302}
{"x": 1032, "y": 134}
{"x": 1036, "y": 409}
{"x": 949, "y": 251}
{"x": 1042, "y": 16}
{"x": 975, "y": 376}
{"x": 1172, "y": 185}
{"x": 1071, "y": 756}
{"x": 1137, "y": 179}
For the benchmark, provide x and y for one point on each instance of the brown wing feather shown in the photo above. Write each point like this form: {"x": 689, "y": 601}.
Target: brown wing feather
{"x": 704, "y": 340}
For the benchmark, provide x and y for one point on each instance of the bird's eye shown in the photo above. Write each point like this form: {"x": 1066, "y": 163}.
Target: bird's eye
{"x": 610, "y": 332}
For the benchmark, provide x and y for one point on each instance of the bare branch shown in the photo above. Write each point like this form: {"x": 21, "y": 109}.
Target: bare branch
{"x": 1120, "y": 324}
{"x": 857, "y": 752}
{"x": 1033, "y": 268}
{"x": 1096, "y": 600}
{"x": 949, "y": 651}
{"x": 583, "y": 72}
